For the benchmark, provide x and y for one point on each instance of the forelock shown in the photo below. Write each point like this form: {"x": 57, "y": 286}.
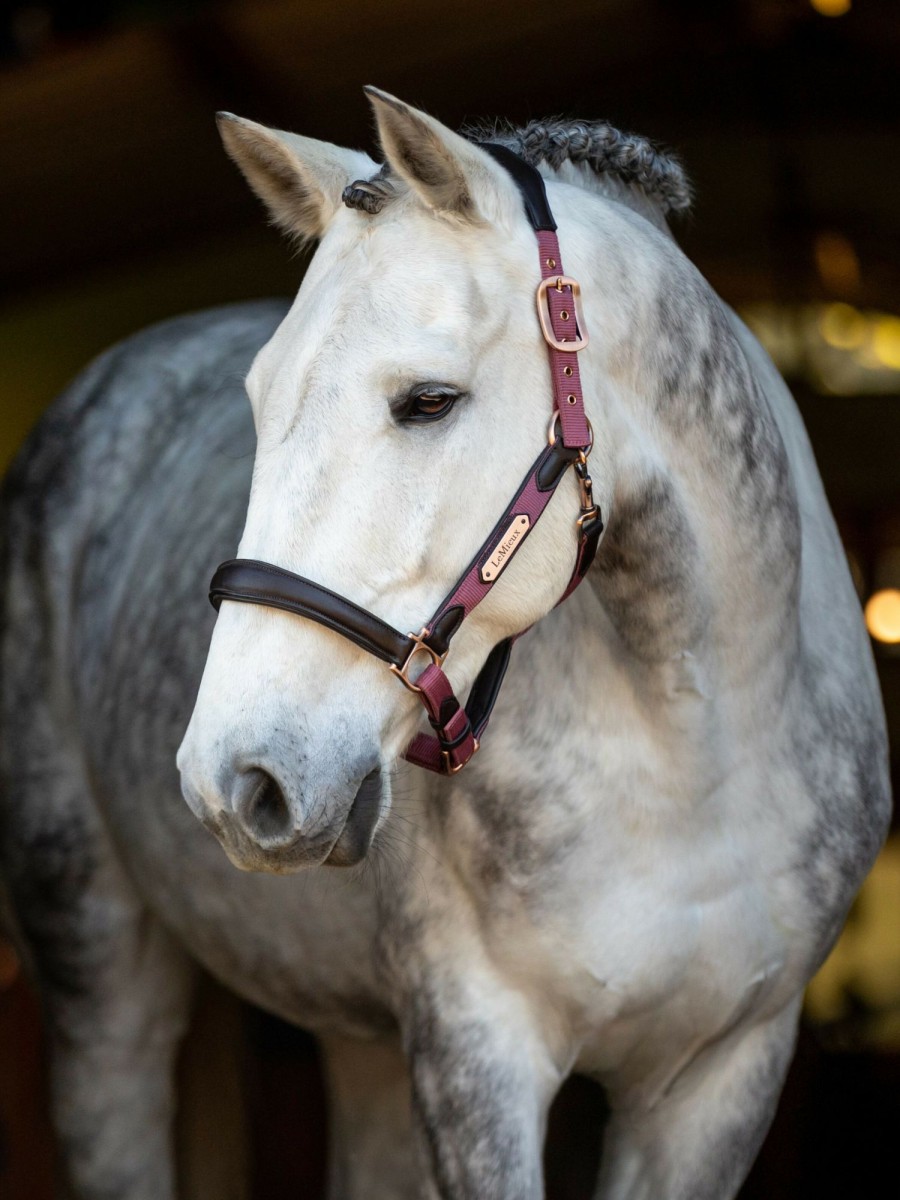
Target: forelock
{"x": 371, "y": 195}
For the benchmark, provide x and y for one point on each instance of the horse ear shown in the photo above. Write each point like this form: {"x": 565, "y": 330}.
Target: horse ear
{"x": 298, "y": 179}
{"x": 448, "y": 173}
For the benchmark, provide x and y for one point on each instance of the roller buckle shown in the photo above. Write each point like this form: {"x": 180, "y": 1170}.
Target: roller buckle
{"x": 577, "y": 341}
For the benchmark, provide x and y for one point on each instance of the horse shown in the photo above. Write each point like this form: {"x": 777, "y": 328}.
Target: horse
{"x": 684, "y": 780}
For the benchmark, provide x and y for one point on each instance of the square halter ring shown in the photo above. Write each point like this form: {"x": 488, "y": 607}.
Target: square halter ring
{"x": 419, "y": 645}
{"x": 559, "y": 282}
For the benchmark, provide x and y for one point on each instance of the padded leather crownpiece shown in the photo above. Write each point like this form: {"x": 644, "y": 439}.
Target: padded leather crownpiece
{"x": 261, "y": 583}
{"x": 529, "y": 182}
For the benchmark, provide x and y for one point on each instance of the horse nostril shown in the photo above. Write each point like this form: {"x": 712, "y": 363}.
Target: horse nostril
{"x": 264, "y": 810}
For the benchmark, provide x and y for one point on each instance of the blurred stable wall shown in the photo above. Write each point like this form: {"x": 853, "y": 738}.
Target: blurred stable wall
{"x": 118, "y": 207}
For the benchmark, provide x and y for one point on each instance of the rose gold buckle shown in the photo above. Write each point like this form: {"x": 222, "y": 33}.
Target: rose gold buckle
{"x": 419, "y": 643}
{"x": 445, "y": 755}
{"x": 569, "y": 345}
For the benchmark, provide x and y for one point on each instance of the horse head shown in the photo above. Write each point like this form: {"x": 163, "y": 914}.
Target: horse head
{"x": 397, "y": 408}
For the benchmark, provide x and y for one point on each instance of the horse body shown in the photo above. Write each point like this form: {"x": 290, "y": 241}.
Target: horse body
{"x": 684, "y": 779}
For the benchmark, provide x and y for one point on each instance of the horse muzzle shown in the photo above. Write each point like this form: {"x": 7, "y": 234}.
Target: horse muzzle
{"x": 261, "y": 828}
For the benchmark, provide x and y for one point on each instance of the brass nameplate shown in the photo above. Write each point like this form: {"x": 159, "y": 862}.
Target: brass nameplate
{"x": 502, "y": 552}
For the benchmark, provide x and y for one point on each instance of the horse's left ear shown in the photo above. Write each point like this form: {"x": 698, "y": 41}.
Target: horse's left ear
{"x": 448, "y": 173}
{"x": 298, "y": 179}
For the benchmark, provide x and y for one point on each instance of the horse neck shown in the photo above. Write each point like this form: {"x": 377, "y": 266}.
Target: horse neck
{"x": 642, "y": 692}
{"x": 702, "y": 552}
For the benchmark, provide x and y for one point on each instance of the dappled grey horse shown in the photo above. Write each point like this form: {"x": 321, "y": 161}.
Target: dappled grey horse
{"x": 684, "y": 780}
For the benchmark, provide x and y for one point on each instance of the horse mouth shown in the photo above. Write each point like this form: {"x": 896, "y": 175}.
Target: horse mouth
{"x": 353, "y": 842}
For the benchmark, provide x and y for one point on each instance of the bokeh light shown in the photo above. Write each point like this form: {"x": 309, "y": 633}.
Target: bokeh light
{"x": 843, "y": 326}
{"x": 831, "y": 8}
{"x": 886, "y": 342}
{"x": 883, "y": 615}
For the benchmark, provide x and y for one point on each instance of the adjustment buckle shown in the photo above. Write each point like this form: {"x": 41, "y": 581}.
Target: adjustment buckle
{"x": 578, "y": 340}
{"x": 419, "y": 644}
{"x": 445, "y": 759}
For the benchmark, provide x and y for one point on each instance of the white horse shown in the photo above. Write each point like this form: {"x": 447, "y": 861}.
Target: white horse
{"x": 683, "y": 783}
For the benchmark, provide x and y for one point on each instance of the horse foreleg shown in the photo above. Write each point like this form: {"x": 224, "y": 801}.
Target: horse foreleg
{"x": 482, "y": 1084}
{"x": 371, "y": 1152}
{"x": 115, "y": 992}
{"x": 699, "y": 1140}
{"x": 112, "y": 1068}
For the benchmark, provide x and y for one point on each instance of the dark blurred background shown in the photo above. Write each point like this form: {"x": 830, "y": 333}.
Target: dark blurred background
{"x": 118, "y": 207}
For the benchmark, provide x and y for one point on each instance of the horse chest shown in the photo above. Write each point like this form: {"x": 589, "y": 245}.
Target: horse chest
{"x": 625, "y": 934}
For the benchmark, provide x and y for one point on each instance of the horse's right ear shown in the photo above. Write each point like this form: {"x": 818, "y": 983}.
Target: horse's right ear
{"x": 298, "y": 179}
{"x": 449, "y": 174}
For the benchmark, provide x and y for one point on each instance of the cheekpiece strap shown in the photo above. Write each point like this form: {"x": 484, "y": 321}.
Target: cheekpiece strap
{"x": 558, "y": 299}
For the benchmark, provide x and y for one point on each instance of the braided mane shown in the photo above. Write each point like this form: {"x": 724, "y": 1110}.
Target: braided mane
{"x": 624, "y": 165}
{"x": 626, "y": 158}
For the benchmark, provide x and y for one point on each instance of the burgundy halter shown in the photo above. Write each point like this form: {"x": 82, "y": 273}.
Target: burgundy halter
{"x": 457, "y": 728}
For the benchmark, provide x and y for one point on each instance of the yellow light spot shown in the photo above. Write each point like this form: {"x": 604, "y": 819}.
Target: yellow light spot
{"x": 883, "y": 615}
{"x": 831, "y": 8}
{"x": 886, "y": 342}
{"x": 843, "y": 326}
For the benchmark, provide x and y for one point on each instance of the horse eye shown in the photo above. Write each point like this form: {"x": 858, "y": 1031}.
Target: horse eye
{"x": 430, "y": 405}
